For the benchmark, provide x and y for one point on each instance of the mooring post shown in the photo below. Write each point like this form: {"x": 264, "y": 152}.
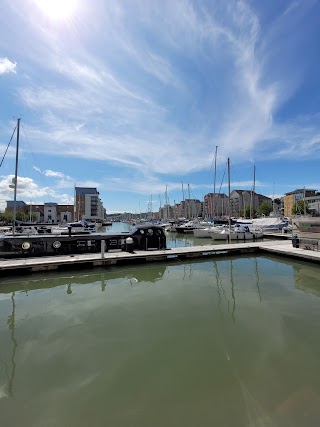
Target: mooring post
{"x": 103, "y": 248}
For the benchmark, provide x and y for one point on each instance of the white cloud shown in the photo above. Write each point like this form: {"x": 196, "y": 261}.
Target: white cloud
{"x": 6, "y": 66}
{"x": 29, "y": 191}
{"x": 154, "y": 86}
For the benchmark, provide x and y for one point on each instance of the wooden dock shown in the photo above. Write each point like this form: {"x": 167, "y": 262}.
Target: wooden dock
{"x": 70, "y": 262}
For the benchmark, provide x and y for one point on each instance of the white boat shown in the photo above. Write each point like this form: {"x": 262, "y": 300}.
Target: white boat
{"x": 205, "y": 232}
{"x": 236, "y": 233}
{"x": 190, "y": 226}
{"x": 80, "y": 227}
{"x": 266, "y": 225}
{"x": 26, "y": 230}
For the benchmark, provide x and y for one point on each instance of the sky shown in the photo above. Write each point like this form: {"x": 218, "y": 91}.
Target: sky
{"x": 147, "y": 99}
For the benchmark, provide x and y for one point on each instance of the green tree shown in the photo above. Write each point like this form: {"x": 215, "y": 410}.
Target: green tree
{"x": 246, "y": 212}
{"x": 300, "y": 207}
{"x": 6, "y": 217}
{"x": 264, "y": 209}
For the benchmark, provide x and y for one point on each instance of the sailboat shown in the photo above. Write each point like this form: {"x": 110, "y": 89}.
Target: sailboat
{"x": 237, "y": 232}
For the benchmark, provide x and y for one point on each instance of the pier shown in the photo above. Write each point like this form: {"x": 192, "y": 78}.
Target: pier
{"x": 118, "y": 258}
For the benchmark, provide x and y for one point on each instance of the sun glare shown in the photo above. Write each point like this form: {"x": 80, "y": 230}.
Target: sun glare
{"x": 57, "y": 9}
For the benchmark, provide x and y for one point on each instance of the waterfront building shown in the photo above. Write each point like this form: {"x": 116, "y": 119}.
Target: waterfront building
{"x": 42, "y": 213}
{"x": 289, "y": 199}
{"x": 215, "y": 205}
{"x": 190, "y": 208}
{"x": 87, "y": 204}
{"x": 240, "y": 200}
{"x": 166, "y": 212}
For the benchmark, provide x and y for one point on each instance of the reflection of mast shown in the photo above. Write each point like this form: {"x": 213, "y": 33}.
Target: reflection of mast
{"x": 232, "y": 292}
{"x": 11, "y": 324}
{"x": 258, "y": 279}
{"x": 220, "y": 286}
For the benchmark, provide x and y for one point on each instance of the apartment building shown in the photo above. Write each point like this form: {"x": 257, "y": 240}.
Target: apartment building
{"x": 215, "y": 205}
{"x": 42, "y": 213}
{"x": 241, "y": 199}
{"x": 289, "y": 199}
{"x": 88, "y": 205}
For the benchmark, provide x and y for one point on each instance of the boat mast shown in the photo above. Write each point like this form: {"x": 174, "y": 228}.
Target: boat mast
{"x": 184, "y": 208}
{"x": 167, "y": 203}
{"x": 214, "y": 184}
{"x": 252, "y": 191}
{"x": 16, "y": 181}
{"x": 229, "y": 201}
{"x": 189, "y": 203}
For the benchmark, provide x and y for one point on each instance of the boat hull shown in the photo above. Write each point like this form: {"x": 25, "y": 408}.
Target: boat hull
{"x": 143, "y": 238}
{"x": 236, "y": 236}
{"x": 309, "y": 225}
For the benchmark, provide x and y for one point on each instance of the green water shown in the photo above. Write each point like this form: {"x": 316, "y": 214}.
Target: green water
{"x": 221, "y": 342}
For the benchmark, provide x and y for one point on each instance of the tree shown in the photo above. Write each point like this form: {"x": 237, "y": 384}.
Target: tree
{"x": 246, "y": 212}
{"x": 6, "y": 217}
{"x": 300, "y": 207}
{"x": 264, "y": 209}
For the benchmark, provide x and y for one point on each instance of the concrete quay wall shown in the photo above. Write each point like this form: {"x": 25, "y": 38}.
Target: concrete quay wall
{"x": 20, "y": 266}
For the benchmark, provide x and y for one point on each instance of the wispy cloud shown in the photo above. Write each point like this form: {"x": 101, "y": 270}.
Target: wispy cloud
{"x": 51, "y": 173}
{"x": 154, "y": 86}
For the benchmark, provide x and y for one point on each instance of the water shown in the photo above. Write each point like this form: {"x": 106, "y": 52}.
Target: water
{"x": 220, "y": 342}
{"x": 174, "y": 240}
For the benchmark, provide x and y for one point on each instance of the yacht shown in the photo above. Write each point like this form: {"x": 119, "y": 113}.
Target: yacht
{"x": 79, "y": 227}
{"x": 236, "y": 233}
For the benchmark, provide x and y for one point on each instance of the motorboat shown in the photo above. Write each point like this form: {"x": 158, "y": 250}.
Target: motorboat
{"x": 206, "y": 232}
{"x": 189, "y": 226}
{"x": 142, "y": 237}
{"x": 265, "y": 224}
{"x": 78, "y": 227}
{"x": 236, "y": 233}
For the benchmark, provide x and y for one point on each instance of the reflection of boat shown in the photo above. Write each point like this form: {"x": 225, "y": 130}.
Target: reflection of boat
{"x": 135, "y": 274}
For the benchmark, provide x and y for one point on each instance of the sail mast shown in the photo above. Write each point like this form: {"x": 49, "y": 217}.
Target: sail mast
{"x": 252, "y": 191}
{"x": 214, "y": 184}
{"x": 16, "y": 181}
{"x": 229, "y": 201}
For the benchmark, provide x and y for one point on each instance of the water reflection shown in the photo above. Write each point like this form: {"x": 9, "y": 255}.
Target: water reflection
{"x": 174, "y": 343}
{"x": 152, "y": 274}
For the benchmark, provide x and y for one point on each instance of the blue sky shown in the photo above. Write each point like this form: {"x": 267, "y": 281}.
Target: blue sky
{"x": 132, "y": 97}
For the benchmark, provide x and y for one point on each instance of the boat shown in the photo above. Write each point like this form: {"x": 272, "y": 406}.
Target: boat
{"x": 307, "y": 224}
{"x": 266, "y": 224}
{"x": 236, "y": 234}
{"x": 189, "y": 226}
{"x": 142, "y": 237}
{"x": 205, "y": 232}
{"x": 78, "y": 227}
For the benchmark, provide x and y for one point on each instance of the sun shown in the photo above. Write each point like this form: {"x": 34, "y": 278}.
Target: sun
{"x": 57, "y": 9}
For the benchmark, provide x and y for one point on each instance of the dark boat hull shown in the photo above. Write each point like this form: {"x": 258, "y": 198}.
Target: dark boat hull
{"x": 143, "y": 238}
